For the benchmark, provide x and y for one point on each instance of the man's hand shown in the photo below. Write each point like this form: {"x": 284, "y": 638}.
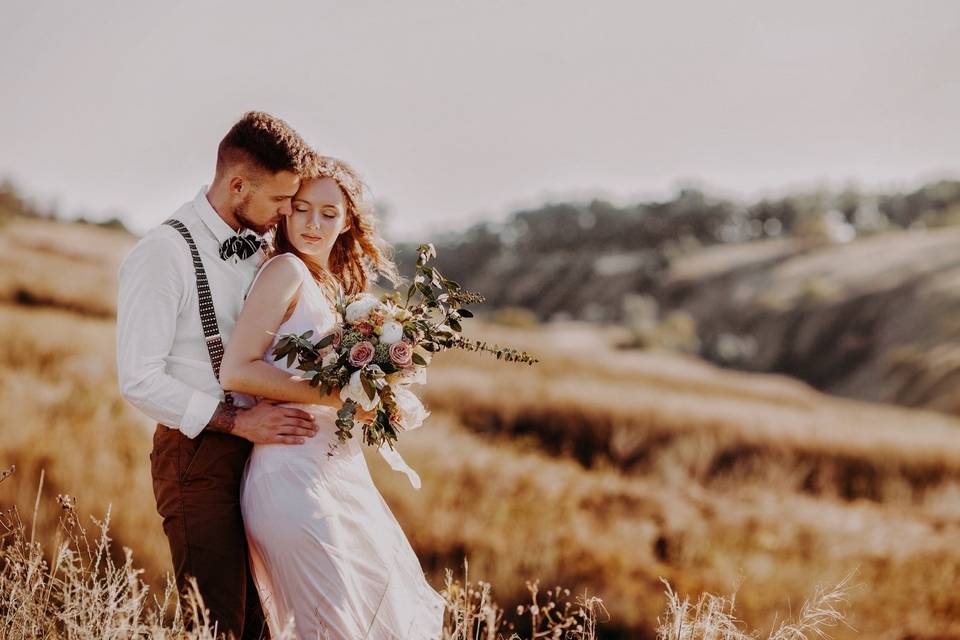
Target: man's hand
{"x": 265, "y": 423}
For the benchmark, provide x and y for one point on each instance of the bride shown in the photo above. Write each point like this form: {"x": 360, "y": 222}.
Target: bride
{"x": 328, "y": 557}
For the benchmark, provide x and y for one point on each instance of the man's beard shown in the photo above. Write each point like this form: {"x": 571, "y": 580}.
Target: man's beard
{"x": 240, "y": 212}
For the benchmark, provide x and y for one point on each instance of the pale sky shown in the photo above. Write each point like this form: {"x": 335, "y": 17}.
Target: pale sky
{"x": 460, "y": 111}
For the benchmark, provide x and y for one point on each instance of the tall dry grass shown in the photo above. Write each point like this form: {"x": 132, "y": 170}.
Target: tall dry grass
{"x": 80, "y": 591}
{"x": 77, "y": 589}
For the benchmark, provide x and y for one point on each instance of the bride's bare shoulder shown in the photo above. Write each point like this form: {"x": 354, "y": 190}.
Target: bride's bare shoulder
{"x": 280, "y": 276}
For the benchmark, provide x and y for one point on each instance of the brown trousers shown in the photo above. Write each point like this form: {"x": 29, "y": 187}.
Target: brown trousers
{"x": 197, "y": 486}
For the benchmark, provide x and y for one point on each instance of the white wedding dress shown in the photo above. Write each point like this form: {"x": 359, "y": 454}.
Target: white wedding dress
{"x": 328, "y": 557}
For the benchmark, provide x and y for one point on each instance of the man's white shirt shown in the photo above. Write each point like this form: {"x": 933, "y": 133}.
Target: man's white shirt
{"x": 162, "y": 361}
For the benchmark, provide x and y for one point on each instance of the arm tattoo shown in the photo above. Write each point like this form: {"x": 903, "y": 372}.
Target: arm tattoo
{"x": 224, "y": 419}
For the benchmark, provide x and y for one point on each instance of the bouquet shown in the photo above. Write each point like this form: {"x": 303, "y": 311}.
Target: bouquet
{"x": 381, "y": 346}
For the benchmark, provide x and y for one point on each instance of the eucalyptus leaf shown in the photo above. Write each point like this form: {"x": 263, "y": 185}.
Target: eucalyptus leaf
{"x": 328, "y": 339}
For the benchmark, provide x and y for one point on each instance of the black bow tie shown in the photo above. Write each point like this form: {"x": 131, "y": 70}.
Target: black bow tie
{"x": 243, "y": 246}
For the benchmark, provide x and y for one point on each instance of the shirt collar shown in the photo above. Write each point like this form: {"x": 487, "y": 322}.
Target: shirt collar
{"x": 221, "y": 230}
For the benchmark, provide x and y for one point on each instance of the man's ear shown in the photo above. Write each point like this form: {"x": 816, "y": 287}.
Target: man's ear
{"x": 237, "y": 185}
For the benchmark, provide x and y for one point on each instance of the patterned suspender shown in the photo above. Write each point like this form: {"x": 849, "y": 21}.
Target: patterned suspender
{"x": 208, "y": 317}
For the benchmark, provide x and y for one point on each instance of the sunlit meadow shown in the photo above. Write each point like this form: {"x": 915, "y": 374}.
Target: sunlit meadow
{"x": 631, "y": 485}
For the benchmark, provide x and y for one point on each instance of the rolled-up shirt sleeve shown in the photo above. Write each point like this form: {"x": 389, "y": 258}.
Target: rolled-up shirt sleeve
{"x": 150, "y": 297}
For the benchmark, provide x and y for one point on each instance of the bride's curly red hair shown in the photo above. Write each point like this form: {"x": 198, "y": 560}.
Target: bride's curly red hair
{"x": 359, "y": 255}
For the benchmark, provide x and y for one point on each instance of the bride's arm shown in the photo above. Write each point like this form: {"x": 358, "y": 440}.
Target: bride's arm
{"x": 243, "y": 368}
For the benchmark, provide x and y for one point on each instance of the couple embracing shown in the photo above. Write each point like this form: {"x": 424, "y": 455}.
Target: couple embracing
{"x": 280, "y": 537}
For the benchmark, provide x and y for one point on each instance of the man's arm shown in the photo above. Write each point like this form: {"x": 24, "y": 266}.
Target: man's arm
{"x": 150, "y": 296}
{"x": 265, "y": 422}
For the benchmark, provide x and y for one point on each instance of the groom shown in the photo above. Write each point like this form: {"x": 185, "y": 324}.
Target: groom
{"x": 180, "y": 292}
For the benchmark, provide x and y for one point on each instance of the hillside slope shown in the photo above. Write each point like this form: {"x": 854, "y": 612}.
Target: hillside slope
{"x": 876, "y": 319}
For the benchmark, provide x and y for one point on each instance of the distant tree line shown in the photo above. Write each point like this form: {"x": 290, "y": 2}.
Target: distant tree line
{"x": 601, "y": 251}
{"x": 693, "y": 216}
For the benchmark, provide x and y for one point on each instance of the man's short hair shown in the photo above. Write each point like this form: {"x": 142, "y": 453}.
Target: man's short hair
{"x": 264, "y": 142}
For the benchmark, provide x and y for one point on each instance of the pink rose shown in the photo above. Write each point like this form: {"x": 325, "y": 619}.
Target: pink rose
{"x": 377, "y": 317}
{"x": 364, "y": 328}
{"x": 337, "y": 337}
{"x": 361, "y": 354}
{"x": 401, "y": 353}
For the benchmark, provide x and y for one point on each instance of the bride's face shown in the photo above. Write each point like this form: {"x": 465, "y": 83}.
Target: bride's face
{"x": 319, "y": 217}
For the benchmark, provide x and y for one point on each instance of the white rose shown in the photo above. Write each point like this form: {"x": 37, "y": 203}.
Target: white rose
{"x": 361, "y": 307}
{"x": 329, "y": 359}
{"x": 391, "y": 332}
{"x": 412, "y": 411}
{"x": 354, "y": 391}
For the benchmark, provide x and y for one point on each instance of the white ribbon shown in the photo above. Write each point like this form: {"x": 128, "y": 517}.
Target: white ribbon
{"x": 397, "y": 463}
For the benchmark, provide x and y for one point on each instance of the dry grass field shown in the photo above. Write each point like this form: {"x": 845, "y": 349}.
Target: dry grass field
{"x": 600, "y": 470}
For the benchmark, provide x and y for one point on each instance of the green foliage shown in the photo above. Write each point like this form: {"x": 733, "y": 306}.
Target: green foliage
{"x": 351, "y": 338}
{"x": 381, "y": 356}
